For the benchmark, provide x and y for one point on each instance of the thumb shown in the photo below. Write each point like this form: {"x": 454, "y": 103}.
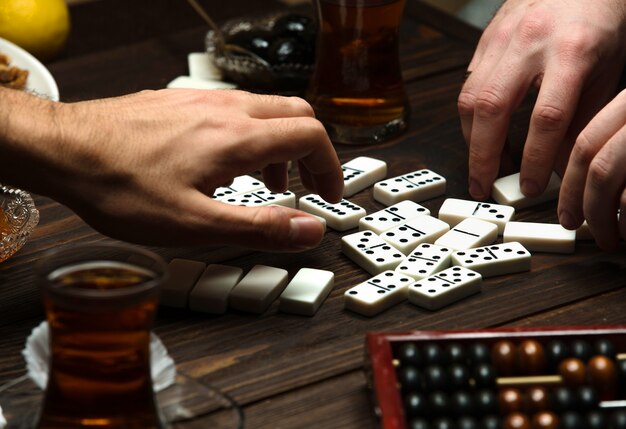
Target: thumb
{"x": 274, "y": 228}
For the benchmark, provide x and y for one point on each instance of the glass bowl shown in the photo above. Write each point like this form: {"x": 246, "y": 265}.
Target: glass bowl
{"x": 18, "y": 219}
{"x": 257, "y": 74}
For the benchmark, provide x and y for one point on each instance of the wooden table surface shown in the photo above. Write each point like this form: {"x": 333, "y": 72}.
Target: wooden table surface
{"x": 285, "y": 370}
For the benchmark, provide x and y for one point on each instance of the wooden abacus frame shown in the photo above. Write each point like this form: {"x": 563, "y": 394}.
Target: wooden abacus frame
{"x": 381, "y": 370}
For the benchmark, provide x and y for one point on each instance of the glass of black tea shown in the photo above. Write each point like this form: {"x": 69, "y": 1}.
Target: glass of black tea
{"x": 100, "y": 302}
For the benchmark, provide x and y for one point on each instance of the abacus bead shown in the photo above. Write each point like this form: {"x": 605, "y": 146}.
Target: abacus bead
{"x": 587, "y": 398}
{"x": 602, "y": 374}
{"x": 419, "y": 423}
{"x": 438, "y": 404}
{"x": 478, "y": 353}
{"x": 573, "y": 371}
{"x": 537, "y": 399}
{"x": 485, "y": 402}
{"x": 618, "y": 420}
{"x": 410, "y": 378}
{"x": 455, "y": 353}
{"x": 461, "y": 403}
{"x": 556, "y": 351}
{"x": 432, "y": 354}
{"x": 409, "y": 354}
{"x": 597, "y": 420}
{"x": 604, "y": 347}
{"x": 415, "y": 404}
{"x": 581, "y": 349}
{"x": 621, "y": 371}
{"x": 545, "y": 420}
{"x": 563, "y": 399}
{"x": 503, "y": 356}
{"x": 532, "y": 359}
{"x": 510, "y": 400}
{"x": 458, "y": 376}
{"x": 572, "y": 420}
{"x": 484, "y": 375}
{"x": 435, "y": 378}
{"x": 443, "y": 423}
{"x": 466, "y": 422}
{"x": 516, "y": 421}
{"x": 491, "y": 422}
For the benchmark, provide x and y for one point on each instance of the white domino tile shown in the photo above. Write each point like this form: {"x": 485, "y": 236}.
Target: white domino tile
{"x": 187, "y": 82}
{"x": 392, "y": 216}
{"x": 370, "y": 252}
{"x": 361, "y": 173}
{"x": 210, "y": 294}
{"x": 541, "y": 237}
{"x": 423, "y": 229}
{"x": 417, "y": 186}
{"x": 494, "y": 260}
{"x": 258, "y": 289}
{"x": 469, "y": 233}
{"x": 341, "y": 216}
{"x": 378, "y": 293}
{"x": 425, "y": 260}
{"x": 201, "y": 66}
{"x": 454, "y": 210}
{"x": 183, "y": 276}
{"x": 306, "y": 291}
{"x": 262, "y": 197}
{"x": 445, "y": 288}
{"x": 506, "y": 190}
{"x": 240, "y": 185}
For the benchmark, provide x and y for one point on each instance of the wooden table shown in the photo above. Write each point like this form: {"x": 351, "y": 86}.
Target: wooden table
{"x": 284, "y": 370}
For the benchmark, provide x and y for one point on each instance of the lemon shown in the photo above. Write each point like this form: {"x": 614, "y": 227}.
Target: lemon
{"x": 39, "y": 26}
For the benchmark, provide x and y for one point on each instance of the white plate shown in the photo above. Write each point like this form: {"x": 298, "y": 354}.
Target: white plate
{"x": 40, "y": 81}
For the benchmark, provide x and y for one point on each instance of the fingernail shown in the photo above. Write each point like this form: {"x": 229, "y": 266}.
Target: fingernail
{"x": 475, "y": 189}
{"x": 566, "y": 220}
{"x": 305, "y": 232}
{"x": 530, "y": 188}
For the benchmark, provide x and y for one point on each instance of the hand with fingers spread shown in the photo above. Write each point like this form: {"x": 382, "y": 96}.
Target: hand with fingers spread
{"x": 572, "y": 50}
{"x": 594, "y": 185}
{"x": 143, "y": 167}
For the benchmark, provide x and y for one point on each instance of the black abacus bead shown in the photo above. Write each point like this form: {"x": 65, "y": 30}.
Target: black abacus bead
{"x": 467, "y": 422}
{"x": 410, "y": 378}
{"x": 438, "y": 404}
{"x": 491, "y": 422}
{"x": 455, "y": 353}
{"x": 621, "y": 374}
{"x": 604, "y": 347}
{"x": 459, "y": 376}
{"x": 419, "y": 423}
{"x": 587, "y": 398}
{"x": 484, "y": 375}
{"x": 581, "y": 349}
{"x": 435, "y": 378}
{"x": 563, "y": 399}
{"x": 432, "y": 354}
{"x": 478, "y": 353}
{"x": 556, "y": 351}
{"x": 443, "y": 423}
{"x": 461, "y": 403}
{"x": 415, "y": 404}
{"x": 409, "y": 354}
{"x": 597, "y": 420}
{"x": 618, "y": 420}
{"x": 572, "y": 420}
{"x": 485, "y": 402}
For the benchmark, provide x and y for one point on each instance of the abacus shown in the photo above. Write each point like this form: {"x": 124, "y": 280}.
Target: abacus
{"x": 565, "y": 378}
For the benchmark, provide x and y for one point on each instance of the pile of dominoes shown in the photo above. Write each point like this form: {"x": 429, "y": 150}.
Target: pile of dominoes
{"x": 431, "y": 261}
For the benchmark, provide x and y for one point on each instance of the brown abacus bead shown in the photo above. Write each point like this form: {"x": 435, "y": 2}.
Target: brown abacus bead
{"x": 510, "y": 400}
{"x": 537, "y": 399}
{"x": 516, "y": 421}
{"x": 504, "y": 358}
{"x": 545, "y": 420}
{"x": 573, "y": 372}
{"x": 531, "y": 357}
{"x": 602, "y": 375}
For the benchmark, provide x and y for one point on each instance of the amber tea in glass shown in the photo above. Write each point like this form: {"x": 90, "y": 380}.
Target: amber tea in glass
{"x": 100, "y": 302}
{"x": 356, "y": 88}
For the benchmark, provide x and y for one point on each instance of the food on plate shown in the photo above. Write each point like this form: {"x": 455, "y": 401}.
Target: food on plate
{"x": 11, "y": 76}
